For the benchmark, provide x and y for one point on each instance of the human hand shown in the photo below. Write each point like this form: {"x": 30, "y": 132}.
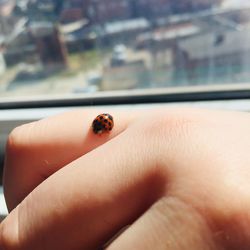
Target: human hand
{"x": 180, "y": 178}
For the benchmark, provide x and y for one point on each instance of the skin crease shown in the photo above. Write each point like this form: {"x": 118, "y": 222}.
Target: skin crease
{"x": 179, "y": 177}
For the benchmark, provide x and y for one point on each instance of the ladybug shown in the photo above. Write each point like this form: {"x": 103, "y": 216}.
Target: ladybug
{"x": 103, "y": 123}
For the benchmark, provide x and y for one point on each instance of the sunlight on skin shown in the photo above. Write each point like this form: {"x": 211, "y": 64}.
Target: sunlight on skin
{"x": 167, "y": 174}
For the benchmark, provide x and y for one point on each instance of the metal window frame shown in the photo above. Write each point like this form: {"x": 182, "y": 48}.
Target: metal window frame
{"x": 147, "y": 96}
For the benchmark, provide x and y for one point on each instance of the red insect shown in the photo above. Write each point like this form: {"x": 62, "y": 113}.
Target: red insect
{"x": 103, "y": 123}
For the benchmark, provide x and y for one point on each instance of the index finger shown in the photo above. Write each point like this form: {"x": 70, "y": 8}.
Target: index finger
{"x": 84, "y": 204}
{"x": 37, "y": 150}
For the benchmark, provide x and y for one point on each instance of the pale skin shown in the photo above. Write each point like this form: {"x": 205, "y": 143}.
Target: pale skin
{"x": 179, "y": 177}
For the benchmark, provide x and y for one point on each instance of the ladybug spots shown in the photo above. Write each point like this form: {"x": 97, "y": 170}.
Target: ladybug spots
{"x": 103, "y": 123}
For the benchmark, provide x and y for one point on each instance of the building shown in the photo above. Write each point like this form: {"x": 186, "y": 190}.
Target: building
{"x": 152, "y": 8}
{"x": 73, "y": 10}
{"x": 125, "y": 31}
{"x": 127, "y": 70}
{"x": 71, "y": 14}
{"x": 215, "y": 56}
{"x": 102, "y": 11}
{"x": 50, "y": 46}
{"x": 180, "y": 6}
{"x": 158, "y": 8}
{"x": 166, "y": 37}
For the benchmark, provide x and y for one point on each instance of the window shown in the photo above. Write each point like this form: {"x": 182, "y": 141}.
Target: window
{"x": 56, "y": 48}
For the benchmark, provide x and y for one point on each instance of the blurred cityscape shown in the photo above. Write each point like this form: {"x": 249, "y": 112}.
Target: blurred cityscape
{"x": 85, "y": 46}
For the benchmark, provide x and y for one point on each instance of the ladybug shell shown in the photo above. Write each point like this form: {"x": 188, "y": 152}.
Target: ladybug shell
{"x": 103, "y": 123}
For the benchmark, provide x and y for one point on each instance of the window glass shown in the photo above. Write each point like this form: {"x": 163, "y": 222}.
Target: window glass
{"x": 59, "y": 47}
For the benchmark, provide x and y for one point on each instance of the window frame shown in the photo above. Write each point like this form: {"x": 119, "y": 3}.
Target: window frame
{"x": 144, "y": 96}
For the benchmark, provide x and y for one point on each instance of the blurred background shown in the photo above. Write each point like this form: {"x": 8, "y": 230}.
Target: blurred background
{"x": 58, "y": 47}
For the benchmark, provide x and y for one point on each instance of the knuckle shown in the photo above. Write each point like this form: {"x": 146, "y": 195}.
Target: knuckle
{"x": 18, "y": 139}
{"x": 171, "y": 215}
{"x": 8, "y": 238}
{"x": 14, "y": 230}
{"x": 172, "y": 123}
{"x": 5, "y": 240}
{"x": 14, "y": 138}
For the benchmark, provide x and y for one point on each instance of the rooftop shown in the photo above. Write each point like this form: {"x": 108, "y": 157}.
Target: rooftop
{"x": 127, "y": 25}
{"x": 217, "y": 44}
